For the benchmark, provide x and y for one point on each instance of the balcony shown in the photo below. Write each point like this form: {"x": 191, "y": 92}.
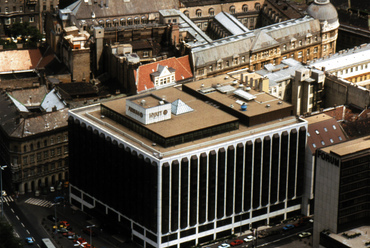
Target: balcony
{"x": 32, "y": 2}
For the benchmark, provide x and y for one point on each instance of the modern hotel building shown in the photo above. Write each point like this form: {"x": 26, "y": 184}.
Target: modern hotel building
{"x": 181, "y": 167}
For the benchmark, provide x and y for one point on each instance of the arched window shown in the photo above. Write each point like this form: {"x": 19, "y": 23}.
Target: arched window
{"x": 137, "y": 20}
{"x": 115, "y": 22}
{"x": 232, "y": 9}
{"x": 144, "y": 20}
{"x": 24, "y": 148}
{"x": 211, "y": 11}
{"x": 199, "y": 12}
{"x": 38, "y": 145}
{"x": 123, "y": 21}
{"x": 31, "y": 147}
{"x": 257, "y": 6}
{"x": 129, "y": 21}
{"x": 245, "y": 8}
{"x": 186, "y": 12}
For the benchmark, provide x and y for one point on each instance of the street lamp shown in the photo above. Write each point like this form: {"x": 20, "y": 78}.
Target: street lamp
{"x": 55, "y": 214}
{"x": 2, "y": 197}
{"x": 90, "y": 234}
{"x": 255, "y": 236}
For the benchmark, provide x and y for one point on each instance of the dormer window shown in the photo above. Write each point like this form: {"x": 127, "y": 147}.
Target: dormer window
{"x": 163, "y": 76}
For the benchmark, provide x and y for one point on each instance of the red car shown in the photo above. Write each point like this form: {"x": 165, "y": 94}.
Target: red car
{"x": 236, "y": 242}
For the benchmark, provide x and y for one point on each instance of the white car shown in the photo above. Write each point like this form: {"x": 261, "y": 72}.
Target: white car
{"x": 249, "y": 238}
{"x": 52, "y": 189}
{"x": 224, "y": 245}
{"x": 3, "y": 193}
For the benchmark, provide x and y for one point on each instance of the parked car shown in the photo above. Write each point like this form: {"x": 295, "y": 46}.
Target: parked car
{"x": 224, "y": 245}
{"x": 29, "y": 240}
{"x": 304, "y": 234}
{"x": 65, "y": 224}
{"x": 3, "y": 193}
{"x": 288, "y": 227}
{"x": 67, "y": 234}
{"x": 236, "y": 242}
{"x": 249, "y": 238}
{"x": 52, "y": 189}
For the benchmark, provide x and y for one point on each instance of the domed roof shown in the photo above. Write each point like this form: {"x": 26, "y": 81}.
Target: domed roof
{"x": 323, "y": 10}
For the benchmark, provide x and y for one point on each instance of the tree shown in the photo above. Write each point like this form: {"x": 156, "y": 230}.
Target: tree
{"x": 25, "y": 31}
{"x": 7, "y": 238}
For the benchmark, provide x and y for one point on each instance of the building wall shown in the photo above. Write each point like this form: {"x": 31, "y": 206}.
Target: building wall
{"x": 326, "y": 197}
{"x": 201, "y": 14}
{"x": 340, "y": 92}
{"x": 38, "y": 161}
{"x": 192, "y": 197}
{"x": 18, "y": 11}
{"x": 80, "y": 65}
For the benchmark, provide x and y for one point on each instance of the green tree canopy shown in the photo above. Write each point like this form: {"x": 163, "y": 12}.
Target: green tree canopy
{"x": 25, "y": 31}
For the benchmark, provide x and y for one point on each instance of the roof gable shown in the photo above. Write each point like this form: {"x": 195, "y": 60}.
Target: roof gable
{"x": 263, "y": 41}
{"x": 143, "y": 78}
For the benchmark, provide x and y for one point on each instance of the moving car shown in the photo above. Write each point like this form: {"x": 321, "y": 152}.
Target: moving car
{"x": 52, "y": 189}
{"x": 304, "y": 234}
{"x": 249, "y": 238}
{"x": 29, "y": 240}
{"x": 3, "y": 193}
{"x": 236, "y": 242}
{"x": 224, "y": 245}
{"x": 288, "y": 227}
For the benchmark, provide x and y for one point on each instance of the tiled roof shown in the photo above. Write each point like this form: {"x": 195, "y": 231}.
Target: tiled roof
{"x": 323, "y": 131}
{"x": 142, "y": 74}
{"x": 18, "y": 60}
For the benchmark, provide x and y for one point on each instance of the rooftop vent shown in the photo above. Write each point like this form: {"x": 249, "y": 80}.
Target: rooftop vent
{"x": 102, "y": 116}
{"x": 280, "y": 102}
{"x": 142, "y": 102}
{"x": 244, "y": 107}
{"x": 268, "y": 105}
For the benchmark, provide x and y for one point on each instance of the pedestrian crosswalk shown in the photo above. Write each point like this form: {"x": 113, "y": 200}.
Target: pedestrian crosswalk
{"x": 39, "y": 202}
{"x": 7, "y": 199}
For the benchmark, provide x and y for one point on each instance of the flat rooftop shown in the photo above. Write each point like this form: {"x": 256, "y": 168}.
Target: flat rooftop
{"x": 349, "y": 147}
{"x": 203, "y": 116}
{"x": 263, "y": 102}
{"x": 359, "y": 241}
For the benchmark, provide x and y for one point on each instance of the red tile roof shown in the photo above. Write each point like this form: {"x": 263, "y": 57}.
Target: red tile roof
{"x": 17, "y": 60}
{"x": 142, "y": 74}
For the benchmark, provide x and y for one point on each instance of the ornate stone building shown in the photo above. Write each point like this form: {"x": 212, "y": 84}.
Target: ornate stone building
{"x": 33, "y": 138}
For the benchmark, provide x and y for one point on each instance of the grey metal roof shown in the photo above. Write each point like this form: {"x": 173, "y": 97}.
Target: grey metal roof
{"x": 51, "y": 100}
{"x": 278, "y": 73}
{"x": 187, "y": 25}
{"x": 345, "y": 58}
{"x": 115, "y": 8}
{"x": 230, "y": 23}
{"x": 206, "y": 53}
